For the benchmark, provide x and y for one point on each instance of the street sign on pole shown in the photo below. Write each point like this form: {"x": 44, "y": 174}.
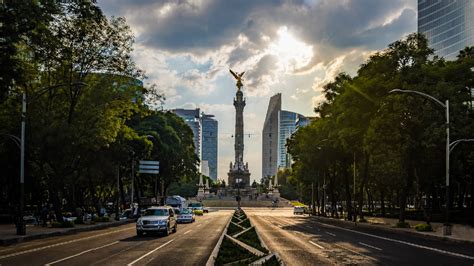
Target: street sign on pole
{"x": 149, "y": 167}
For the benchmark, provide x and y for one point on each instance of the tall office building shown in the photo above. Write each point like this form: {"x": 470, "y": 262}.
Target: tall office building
{"x": 192, "y": 117}
{"x": 270, "y": 137}
{"x": 209, "y": 143}
{"x": 205, "y": 130}
{"x": 448, "y": 25}
{"x": 287, "y": 128}
{"x": 278, "y": 127}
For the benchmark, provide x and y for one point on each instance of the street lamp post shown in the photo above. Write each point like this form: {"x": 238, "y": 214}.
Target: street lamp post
{"x": 447, "y": 226}
{"x": 21, "y": 227}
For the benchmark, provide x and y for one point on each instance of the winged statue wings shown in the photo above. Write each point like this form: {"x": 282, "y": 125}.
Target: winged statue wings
{"x": 238, "y": 77}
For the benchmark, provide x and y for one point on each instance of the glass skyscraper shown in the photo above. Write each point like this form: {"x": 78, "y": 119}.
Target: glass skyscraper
{"x": 448, "y": 25}
{"x": 209, "y": 143}
{"x": 278, "y": 127}
{"x": 287, "y": 128}
{"x": 192, "y": 117}
{"x": 205, "y": 132}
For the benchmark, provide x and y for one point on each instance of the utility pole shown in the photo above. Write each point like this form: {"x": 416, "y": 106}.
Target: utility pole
{"x": 133, "y": 180}
{"x": 313, "y": 208}
{"x": 21, "y": 227}
{"x": 118, "y": 195}
{"x": 354, "y": 191}
{"x": 163, "y": 191}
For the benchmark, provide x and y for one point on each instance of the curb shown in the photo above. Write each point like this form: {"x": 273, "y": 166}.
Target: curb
{"x": 215, "y": 251}
{"x": 20, "y": 239}
{"x": 393, "y": 230}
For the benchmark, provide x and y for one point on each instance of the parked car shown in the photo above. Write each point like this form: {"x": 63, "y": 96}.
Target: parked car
{"x": 186, "y": 216}
{"x": 298, "y": 210}
{"x": 157, "y": 220}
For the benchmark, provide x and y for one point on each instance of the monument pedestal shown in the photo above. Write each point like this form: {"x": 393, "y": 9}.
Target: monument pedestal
{"x": 276, "y": 193}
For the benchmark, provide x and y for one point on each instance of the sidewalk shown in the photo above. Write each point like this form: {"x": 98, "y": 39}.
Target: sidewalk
{"x": 460, "y": 233}
{"x": 8, "y": 231}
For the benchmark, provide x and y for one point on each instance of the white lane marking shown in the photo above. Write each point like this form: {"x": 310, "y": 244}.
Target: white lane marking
{"x": 60, "y": 244}
{"x": 404, "y": 242}
{"x": 187, "y": 232}
{"x": 133, "y": 262}
{"x": 331, "y": 234}
{"x": 319, "y": 246}
{"x": 80, "y": 253}
{"x": 358, "y": 253}
{"x": 367, "y": 245}
{"x": 199, "y": 225}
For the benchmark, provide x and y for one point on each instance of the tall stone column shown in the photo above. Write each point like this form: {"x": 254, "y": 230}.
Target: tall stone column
{"x": 239, "y": 175}
{"x": 239, "y": 104}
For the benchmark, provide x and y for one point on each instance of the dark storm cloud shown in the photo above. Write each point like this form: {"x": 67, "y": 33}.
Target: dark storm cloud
{"x": 200, "y": 26}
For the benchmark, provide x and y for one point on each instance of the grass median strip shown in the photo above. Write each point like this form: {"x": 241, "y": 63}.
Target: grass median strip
{"x": 230, "y": 252}
{"x": 250, "y": 238}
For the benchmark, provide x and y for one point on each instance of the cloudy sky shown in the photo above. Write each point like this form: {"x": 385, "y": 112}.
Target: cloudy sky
{"x": 291, "y": 47}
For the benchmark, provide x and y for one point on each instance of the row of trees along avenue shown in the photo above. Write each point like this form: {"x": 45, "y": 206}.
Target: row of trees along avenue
{"x": 393, "y": 144}
{"x": 89, "y": 117}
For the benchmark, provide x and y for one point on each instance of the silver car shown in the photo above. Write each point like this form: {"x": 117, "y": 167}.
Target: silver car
{"x": 157, "y": 220}
{"x": 186, "y": 216}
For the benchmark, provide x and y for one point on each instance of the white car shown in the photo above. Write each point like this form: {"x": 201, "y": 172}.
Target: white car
{"x": 157, "y": 219}
{"x": 186, "y": 216}
{"x": 298, "y": 210}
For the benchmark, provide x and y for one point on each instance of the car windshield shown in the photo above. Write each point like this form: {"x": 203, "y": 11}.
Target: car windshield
{"x": 156, "y": 212}
{"x": 186, "y": 211}
{"x": 194, "y": 205}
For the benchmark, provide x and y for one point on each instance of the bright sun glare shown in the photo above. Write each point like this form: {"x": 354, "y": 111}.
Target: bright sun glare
{"x": 291, "y": 52}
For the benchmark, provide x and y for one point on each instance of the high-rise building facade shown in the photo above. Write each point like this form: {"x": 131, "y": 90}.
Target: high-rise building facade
{"x": 287, "y": 127}
{"x": 209, "y": 143}
{"x": 278, "y": 127}
{"x": 270, "y": 137}
{"x": 192, "y": 117}
{"x": 205, "y": 133}
{"x": 448, "y": 25}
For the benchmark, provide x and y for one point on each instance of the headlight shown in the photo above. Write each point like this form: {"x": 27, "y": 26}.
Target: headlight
{"x": 139, "y": 222}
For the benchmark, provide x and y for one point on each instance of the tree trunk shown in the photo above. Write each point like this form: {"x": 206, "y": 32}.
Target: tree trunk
{"x": 122, "y": 193}
{"x": 363, "y": 183}
{"x": 348, "y": 195}
{"x": 402, "y": 203}
{"x": 382, "y": 202}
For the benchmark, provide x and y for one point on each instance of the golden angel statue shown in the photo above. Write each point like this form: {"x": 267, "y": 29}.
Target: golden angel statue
{"x": 238, "y": 77}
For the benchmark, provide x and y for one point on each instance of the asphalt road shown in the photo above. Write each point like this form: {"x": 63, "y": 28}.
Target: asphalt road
{"x": 191, "y": 245}
{"x": 304, "y": 240}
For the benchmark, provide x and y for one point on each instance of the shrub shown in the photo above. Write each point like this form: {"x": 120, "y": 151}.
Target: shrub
{"x": 402, "y": 225}
{"x": 64, "y": 224}
{"x": 297, "y": 204}
{"x": 246, "y": 223}
{"x": 234, "y": 219}
{"x": 251, "y": 238}
{"x": 98, "y": 219}
{"x": 423, "y": 227}
{"x": 79, "y": 220}
{"x": 233, "y": 229}
{"x": 230, "y": 252}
